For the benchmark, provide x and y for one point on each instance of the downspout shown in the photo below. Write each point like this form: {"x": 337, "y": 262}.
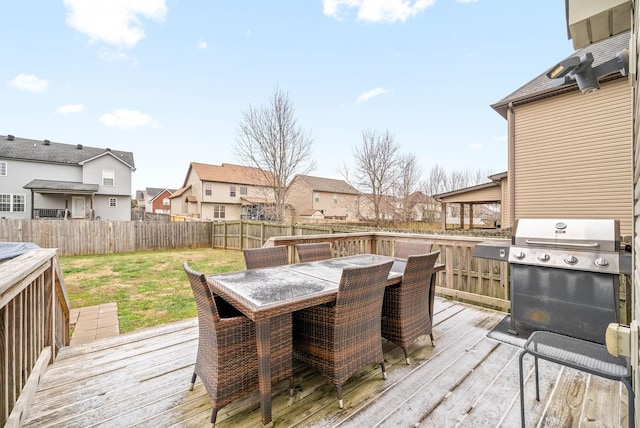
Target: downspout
{"x": 511, "y": 161}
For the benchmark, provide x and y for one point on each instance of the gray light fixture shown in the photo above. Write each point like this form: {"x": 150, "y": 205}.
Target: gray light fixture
{"x": 578, "y": 70}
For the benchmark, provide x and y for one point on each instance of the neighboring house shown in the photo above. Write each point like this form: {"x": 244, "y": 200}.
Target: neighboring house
{"x": 570, "y": 153}
{"x": 161, "y": 202}
{"x": 421, "y": 207}
{"x": 225, "y": 192}
{"x": 318, "y": 197}
{"x": 157, "y": 200}
{"x": 140, "y": 199}
{"x": 388, "y": 207}
{"x": 44, "y": 179}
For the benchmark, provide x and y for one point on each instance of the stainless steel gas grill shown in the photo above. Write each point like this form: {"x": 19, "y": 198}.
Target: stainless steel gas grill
{"x": 565, "y": 275}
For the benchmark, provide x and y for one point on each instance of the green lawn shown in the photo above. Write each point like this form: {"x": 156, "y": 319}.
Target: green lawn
{"x": 150, "y": 288}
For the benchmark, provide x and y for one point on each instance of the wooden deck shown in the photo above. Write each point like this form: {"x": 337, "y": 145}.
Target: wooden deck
{"x": 468, "y": 380}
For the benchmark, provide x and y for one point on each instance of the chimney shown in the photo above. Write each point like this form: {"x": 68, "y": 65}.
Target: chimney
{"x": 79, "y": 146}
{"x": 10, "y": 137}
{"x": 108, "y": 149}
{"x": 47, "y": 142}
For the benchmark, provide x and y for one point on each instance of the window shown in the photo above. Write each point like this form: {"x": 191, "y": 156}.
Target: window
{"x": 207, "y": 189}
{"x": 218, "y": 211}
{"x": 5, "y": 203}
{"x": 19, "y": 203}
{"x": 232, "y": 191}
{"x": 166, "y": 202}
{"x": 113, "y": 202}
{"x": 12, "y": 203}
{"x": 316, "y": 196}
{"x": 3, "y": 169}
{"x": 243, "y": 190}
{"x": 335, "y": 199}
{"x": 108, "y": 177}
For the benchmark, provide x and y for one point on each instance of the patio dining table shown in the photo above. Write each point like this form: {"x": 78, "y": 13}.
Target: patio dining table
{"x": 268, "y": 292}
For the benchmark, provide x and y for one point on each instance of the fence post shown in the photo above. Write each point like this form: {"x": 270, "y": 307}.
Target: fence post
{"x": 262, "y": 234}
{"x": 224, "y": 236}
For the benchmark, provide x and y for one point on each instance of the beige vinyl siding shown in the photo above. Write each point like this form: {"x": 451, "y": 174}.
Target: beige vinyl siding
{"x": 573, "y": 156}
{"x": 505, "y": 205}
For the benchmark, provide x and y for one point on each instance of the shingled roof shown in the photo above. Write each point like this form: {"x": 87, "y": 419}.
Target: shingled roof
{"x": 542, "y": 86}
{"x": 329, "y": 185}
{"x": 229, "y": 173}
{"x": 48, "y": 151}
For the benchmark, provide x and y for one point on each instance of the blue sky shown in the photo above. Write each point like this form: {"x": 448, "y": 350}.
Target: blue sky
{"x": 169, "y": 79}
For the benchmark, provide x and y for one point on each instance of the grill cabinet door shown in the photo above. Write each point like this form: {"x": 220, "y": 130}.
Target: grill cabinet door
{"x": 575, "y": 303}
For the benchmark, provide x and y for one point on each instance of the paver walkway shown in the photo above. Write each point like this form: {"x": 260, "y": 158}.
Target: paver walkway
{"x": 93, "y": 322}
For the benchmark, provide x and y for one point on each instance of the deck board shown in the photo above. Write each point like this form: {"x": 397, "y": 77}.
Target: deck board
{"x": 142, "y": 379}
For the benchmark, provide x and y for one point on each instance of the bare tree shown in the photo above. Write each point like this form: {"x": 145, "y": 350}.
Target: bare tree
{"x": 270, "y": 139}
{"x": 375, "y": 166}
{"x": 440, "y": 181}
{"x": 407, "y": 183}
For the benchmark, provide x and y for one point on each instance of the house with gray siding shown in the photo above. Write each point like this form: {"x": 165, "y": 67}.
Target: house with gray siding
{"x": 45, "y": 179}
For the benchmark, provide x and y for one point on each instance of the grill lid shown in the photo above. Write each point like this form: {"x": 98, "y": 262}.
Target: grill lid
{"x": 575, "y": 244}
{"x": 576, "y": 234}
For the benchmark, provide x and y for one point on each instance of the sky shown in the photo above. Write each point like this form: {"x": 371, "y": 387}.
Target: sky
{"x": 169, "y": 80}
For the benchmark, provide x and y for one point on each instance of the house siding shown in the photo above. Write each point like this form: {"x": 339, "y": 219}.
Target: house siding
{"x": 92, "y": 174}
{"x": 301, "y": 198}
{"x": 573, "y": 156}
{"x": 158, "y": 206}
{"x": 19, "y": 173}
{"x": 220, "y": 194}
{"x": 505, "y": 205}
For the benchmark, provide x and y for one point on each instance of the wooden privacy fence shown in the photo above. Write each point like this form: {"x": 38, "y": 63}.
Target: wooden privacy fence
{"x": 79, "y": 237}
{"x": 34, "y": 325}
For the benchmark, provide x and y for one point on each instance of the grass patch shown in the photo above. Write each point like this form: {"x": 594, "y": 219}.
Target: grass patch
{"x": 150, "y": 287}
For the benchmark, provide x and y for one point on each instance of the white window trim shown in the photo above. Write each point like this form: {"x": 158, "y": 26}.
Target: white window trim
{"x": 109, "y": 174}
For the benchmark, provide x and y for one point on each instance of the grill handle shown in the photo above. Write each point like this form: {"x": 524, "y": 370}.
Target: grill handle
{"x": 563, "y": 244}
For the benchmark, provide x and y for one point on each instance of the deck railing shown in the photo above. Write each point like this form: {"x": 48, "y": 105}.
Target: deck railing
{"x": 466, "y": 278}
{"x": 34, "y": 325}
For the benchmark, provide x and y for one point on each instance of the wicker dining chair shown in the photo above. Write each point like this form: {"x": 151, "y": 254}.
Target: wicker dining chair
{"x": 227, "y": 358}
{"x": 404, "y": 249}
{"x": 255, "y": 258}
{"x": 339, "y": 339}
{"x": 407, "y": 307}
{"x": 314, "y": 251}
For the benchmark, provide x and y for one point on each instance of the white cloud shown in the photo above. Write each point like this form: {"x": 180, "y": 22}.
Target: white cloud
{"x": 113, "y": 56}
{"x": 70, "y": 108}
{"x": 202, "y": 45}
{"x": 370, "y": 94}
{"x": 29, "y": 82}
{"x": 475, "y": 146}
{"x": 127, "y": 119}
{"x": 377, "y": 10}
{"x": 115, "y": 22}
{"x": 500, "y": 138}
{"x": 467, "y": 1}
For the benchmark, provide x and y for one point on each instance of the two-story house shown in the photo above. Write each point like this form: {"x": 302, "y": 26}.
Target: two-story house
{"x": 223, "y": 192}
{"x": 323, "y": 198}
{"x": 156, "y": 200}
{"x": 45, "y": 179}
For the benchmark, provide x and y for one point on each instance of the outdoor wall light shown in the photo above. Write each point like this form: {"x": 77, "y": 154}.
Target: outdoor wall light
{"x": 578, "y": 69}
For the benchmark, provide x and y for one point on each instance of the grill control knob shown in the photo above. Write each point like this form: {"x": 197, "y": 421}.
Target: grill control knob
{"x": 601, "y": 262}
{"x": 571, "y": 260}
{"x": 519, "y": 255}
{"x": 544, "y": 257}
